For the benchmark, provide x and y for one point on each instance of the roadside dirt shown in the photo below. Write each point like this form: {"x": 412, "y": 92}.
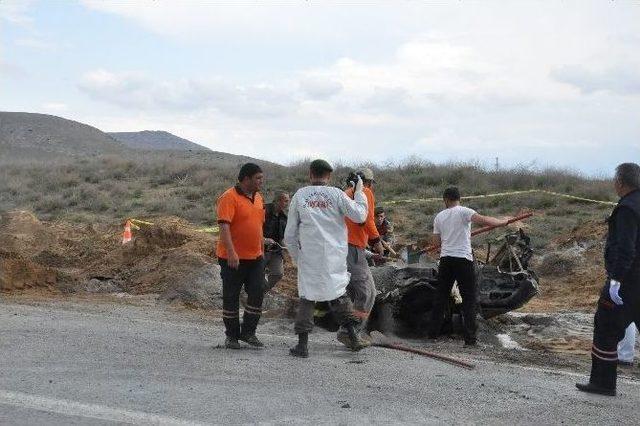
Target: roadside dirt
{"x": 173, "y": 262}
{"x": 171, "y": 259}
{"x": 571, "y": 271}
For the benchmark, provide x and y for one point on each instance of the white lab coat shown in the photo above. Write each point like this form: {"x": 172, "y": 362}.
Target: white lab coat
{"x": 316, "y": 236}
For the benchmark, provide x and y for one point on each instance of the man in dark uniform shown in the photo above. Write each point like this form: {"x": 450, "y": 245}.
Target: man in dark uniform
{"x": 619, "y": 303}
{"x": 275, "y": 222}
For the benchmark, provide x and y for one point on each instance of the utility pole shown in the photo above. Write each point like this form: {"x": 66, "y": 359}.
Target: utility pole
{"x": 497, "y": 164}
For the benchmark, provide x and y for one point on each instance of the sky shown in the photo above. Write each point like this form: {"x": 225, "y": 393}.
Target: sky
{"x": 532, "y": 83}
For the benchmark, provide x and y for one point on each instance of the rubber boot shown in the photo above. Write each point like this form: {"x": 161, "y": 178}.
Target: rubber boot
{"x": 604, "y": 375}
{"x": 301, "y": 350}
{"x": 356, "y": 343}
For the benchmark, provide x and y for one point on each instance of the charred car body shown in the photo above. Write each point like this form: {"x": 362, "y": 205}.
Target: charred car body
{"x": 406, "y": 292}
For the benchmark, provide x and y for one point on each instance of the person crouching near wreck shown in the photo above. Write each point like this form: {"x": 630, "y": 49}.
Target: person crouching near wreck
{"x": 452, "y": 232}
{"x": 240, "y": 214}
{"x": 316, "y": 236}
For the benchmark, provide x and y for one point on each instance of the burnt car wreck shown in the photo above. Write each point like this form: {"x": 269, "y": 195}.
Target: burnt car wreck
{"x": 406, "y": 291}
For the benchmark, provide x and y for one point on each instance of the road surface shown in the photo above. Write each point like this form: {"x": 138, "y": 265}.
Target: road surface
{"x": 101, "y": 363}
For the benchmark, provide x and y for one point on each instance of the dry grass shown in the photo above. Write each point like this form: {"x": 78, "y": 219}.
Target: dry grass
{"x": 111, "y": 188}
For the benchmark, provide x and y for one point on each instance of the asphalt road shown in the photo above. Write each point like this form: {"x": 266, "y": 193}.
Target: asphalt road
{"x": 66, "y": 363}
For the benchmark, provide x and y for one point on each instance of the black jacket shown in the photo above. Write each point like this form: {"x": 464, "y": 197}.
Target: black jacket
{"x": 274, "y": 224}
{"x": 622, "y": 251}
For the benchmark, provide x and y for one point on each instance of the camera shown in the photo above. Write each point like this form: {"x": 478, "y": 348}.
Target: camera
{"x": 352, "y": 179}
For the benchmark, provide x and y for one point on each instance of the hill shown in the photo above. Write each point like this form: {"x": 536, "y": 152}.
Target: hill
{"x": 25, "y": 137}
{"x": 156, "y": 140}
{"x": 52, "y": 141}
{"x": 61, "y": 168}
{"x": 120, "y": 182}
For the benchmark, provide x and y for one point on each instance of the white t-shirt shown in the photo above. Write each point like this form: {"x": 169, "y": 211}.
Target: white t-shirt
{"x": 454, "y": 227}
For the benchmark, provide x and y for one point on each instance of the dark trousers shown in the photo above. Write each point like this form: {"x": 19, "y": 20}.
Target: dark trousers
{"x": 453, "y": 269}
{"x": 341, "y": 308}
{"x": 609, "y": 325}
{"x": 250, "y": 273}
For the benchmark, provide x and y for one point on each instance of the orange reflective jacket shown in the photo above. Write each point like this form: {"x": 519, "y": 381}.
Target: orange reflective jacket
{"x": 360, "y": 234}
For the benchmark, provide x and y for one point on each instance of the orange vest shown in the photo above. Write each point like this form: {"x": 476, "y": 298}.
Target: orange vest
{"x": 360, "y": 234}
{"x": 245, "y": 218}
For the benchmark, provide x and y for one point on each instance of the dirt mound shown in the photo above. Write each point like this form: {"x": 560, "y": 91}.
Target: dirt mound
{"x": 170, "y": 258}
{"x": 586, "y": 234}
{"x": 156, "y": 260}
{"x": 572, "y": 271}
{"x": 20, "y": 274}
{"x": 29, "y": 252}
{"x": 561, "y": 263}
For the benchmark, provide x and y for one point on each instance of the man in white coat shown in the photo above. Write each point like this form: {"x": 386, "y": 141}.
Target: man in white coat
{"x": 316, "y": 236}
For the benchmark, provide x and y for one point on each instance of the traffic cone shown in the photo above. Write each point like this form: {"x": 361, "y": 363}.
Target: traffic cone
{"x": 126, "y": 235}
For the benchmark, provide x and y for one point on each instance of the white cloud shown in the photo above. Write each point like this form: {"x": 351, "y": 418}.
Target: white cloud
{"x": 621, "y": 79}
{"x": 16, "y": 11}
{"x": 248, "y": 20}
{"x": 12, "y": 70}
{"x": 438, "y": 98}
{"x": 320, "y": 88}
{"x": 377, "y": 81}
{"x": 55, "y": 107}
{"x": 137, "y": 90}
{"x": 38, "y": 43}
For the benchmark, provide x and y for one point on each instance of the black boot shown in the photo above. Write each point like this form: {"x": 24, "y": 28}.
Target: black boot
{"x": 591, "y": 388}
{"x": 301, "y": 350}
{"x": 232, "y": 343}
{"x": 252, "y": 340}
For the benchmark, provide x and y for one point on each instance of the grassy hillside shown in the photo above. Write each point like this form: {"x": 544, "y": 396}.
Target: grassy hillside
{"x": 62, "y": 169}
{"x": 156, "y": 140}
{"x": 111, "y": 188}
{"x": 26, "y": 136}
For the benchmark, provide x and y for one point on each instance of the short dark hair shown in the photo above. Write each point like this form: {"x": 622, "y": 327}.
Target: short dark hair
{"x": 320, "y": 168}
{"x": 248, "y": 170}
{"x": 378, "y": 210}
{"x": 279, "y": 194}
{"x": 628, "y": 174}
{"x": 452, "y": 194}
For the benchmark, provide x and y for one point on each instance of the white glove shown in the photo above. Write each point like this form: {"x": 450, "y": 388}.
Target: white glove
{"x": 359, "y": 185}
{"x": 614, "y": 288}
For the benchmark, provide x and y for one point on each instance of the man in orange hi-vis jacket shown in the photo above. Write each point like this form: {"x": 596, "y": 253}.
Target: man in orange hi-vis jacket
{"x": 361, "y": 288}
{"x": 240, "y": 214}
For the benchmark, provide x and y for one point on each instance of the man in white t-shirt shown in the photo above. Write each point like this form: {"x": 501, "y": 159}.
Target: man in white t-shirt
{"x": 452, "y": 231}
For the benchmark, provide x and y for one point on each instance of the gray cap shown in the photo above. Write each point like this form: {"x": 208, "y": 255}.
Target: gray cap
{"x": 366, "y": 173}
{"x": 320, "y": 166}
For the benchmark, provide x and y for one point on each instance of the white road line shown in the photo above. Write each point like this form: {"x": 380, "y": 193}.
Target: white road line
{"x": 92, "y": 411}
